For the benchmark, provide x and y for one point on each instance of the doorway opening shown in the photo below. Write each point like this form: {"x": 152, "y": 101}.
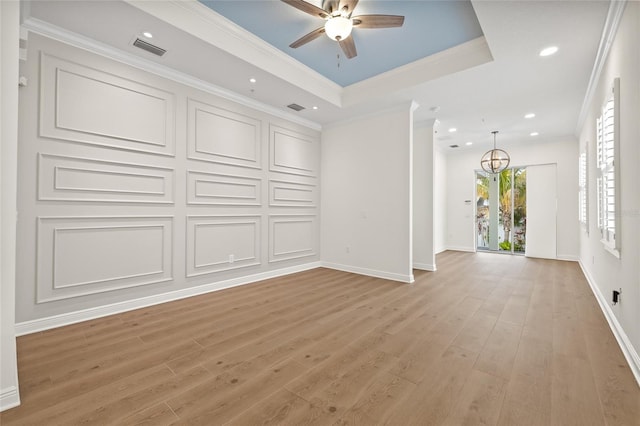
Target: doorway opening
{"x": 501, "y": 211}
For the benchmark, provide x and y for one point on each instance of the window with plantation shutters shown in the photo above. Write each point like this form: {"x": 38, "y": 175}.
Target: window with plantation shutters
{"x": 583, "y": 207}
{"x": 606, "y": 150}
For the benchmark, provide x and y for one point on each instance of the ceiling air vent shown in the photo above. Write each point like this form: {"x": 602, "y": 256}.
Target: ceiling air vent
{"x": 295, "y": 107}
{"x": 454, "y": 146}
{"x": 149, "y": 47}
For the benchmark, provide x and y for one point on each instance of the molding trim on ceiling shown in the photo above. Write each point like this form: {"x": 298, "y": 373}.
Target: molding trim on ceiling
{"x": 464, "y": 56}
{"x": 199, "y": 21}
{"x": 409, "y": 106}
{"x": 74, "y": 39}
{"x": 611, "y": 23}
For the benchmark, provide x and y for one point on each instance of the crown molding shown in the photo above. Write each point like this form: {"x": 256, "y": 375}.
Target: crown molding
{"x": 52, "y": 31}
{"x": 199, "y": 21}
{"x": 609, "y": 30}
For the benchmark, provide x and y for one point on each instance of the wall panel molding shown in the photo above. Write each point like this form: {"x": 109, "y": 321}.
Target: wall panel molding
{"x": 80, "y": 256}
{"x": 292, "y": 152}
{"x": 66, "y": 178}
{"x": 205, "y": 188}
{"x": 291, "y": 236}
{"x": 138, "y": 185}
{"x": 221, "y": 136}
{"x": 292, "y": 194}
{"x": 219, "y": 243}
{"x": 82, "y": 104}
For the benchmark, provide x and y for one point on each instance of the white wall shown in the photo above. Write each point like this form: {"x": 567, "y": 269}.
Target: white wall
{"x": 460, "y": 186}
{"x": 440, "y": 201}
{"x": 9, "y": 36}
{"x": 605, "y": 271}
{"x": 423, "y": 197}
{"x": 135, "y": 189}
{"x": 366, "y": 194}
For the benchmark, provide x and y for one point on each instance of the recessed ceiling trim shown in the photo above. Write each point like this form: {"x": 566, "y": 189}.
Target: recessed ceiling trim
{"x": 466, "y": 55}
{"x": 198, "y": 20}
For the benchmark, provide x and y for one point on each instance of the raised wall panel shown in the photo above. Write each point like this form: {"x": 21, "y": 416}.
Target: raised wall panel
{"x": 79, "y": 256}
{"x": 82, "y": 104}
{"x": 222, "y": 243}
{"x": 220, "y": 189}
{"x": 291, "y": 237}
{"x": 65, "y": 178}
{"x": 291, "y": 194}
{"x": 221, "y": 136}
{"x": 292, "y": 152}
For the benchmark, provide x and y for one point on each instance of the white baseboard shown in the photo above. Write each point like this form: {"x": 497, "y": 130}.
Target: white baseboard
{"x": 370, "y": 272}
{"x": 629, "y": 352}
{"x": 457, "y": 248}
{"x": 568, "y": 257}
{"x": 424, "y": 267}
{"x": 9, "y": 398}
{"x": 47, "y": 323}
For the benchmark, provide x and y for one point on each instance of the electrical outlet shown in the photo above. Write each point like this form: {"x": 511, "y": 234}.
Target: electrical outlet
{"x": 617, "y": 294}
{"x": 232, "y": 258}
{"x": 347, "y": 249}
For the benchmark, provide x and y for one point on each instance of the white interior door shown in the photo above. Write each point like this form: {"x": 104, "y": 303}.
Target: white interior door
{"x": 541, "y": 211}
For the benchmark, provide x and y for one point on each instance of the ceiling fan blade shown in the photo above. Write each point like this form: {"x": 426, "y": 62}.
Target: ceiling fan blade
{"x": 378, "y": 21}
{"x": 307, "y": 8}
{"x": 307, "y": 38}
{"x": 349, "y": 5}
{"x": 348, "y": 47}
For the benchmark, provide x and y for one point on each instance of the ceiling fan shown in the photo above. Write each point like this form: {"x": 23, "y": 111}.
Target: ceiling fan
{"x": 340, "y": 22}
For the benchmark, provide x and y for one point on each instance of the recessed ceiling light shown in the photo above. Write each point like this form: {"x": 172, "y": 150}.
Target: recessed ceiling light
{"x": 315, "y": 107}
{"x": 147, "y": 34}
{"x": 533, "y": 134}
{"x": 548, "y": 51}
{"x": 530, "y": 115}
{"x": 252, "y": 80}
{"x": 453, "y": 129}
{"x": 469, "y": 143}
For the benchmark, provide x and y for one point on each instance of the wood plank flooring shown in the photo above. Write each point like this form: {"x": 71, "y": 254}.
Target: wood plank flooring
{"x": 486, "y": 340}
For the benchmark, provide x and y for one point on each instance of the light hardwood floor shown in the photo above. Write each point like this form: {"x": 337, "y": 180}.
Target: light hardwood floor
{"x": 487, "y": 339}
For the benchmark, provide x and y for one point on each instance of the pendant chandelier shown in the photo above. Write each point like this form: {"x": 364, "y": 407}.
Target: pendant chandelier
{"x": 496, "y": 160}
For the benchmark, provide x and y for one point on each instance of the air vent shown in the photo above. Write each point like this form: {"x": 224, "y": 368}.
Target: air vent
{"x": 149, "y": 47}
{"x": 295, "y": 107}
{"x": 454, "y": 146}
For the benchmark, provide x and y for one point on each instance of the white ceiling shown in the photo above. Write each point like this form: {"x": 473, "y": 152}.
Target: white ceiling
{"x": 486, "y": 84}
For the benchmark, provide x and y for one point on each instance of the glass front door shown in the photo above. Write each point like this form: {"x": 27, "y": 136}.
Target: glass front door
{"x": 501, "y": 210}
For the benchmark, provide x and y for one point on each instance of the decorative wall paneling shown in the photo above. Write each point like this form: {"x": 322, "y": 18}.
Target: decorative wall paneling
{"x": 80, "y": 256}
{"x": 221, "y": 136}
{"x": 224, "y": 190}
{"x": 82, "y": 104}
{"x": 291, "y": 236}
{"x": 64, "y": 178}
{"x": 222, "y": 243}
{"x": 292, "y": 194}
{"x": 133, "y": 187}
{"x": 291, "y": 152}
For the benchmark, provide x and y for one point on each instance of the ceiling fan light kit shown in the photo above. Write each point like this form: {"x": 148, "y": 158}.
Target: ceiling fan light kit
{"x": 338, "y": 27}
{"x": 339, "y": 22}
